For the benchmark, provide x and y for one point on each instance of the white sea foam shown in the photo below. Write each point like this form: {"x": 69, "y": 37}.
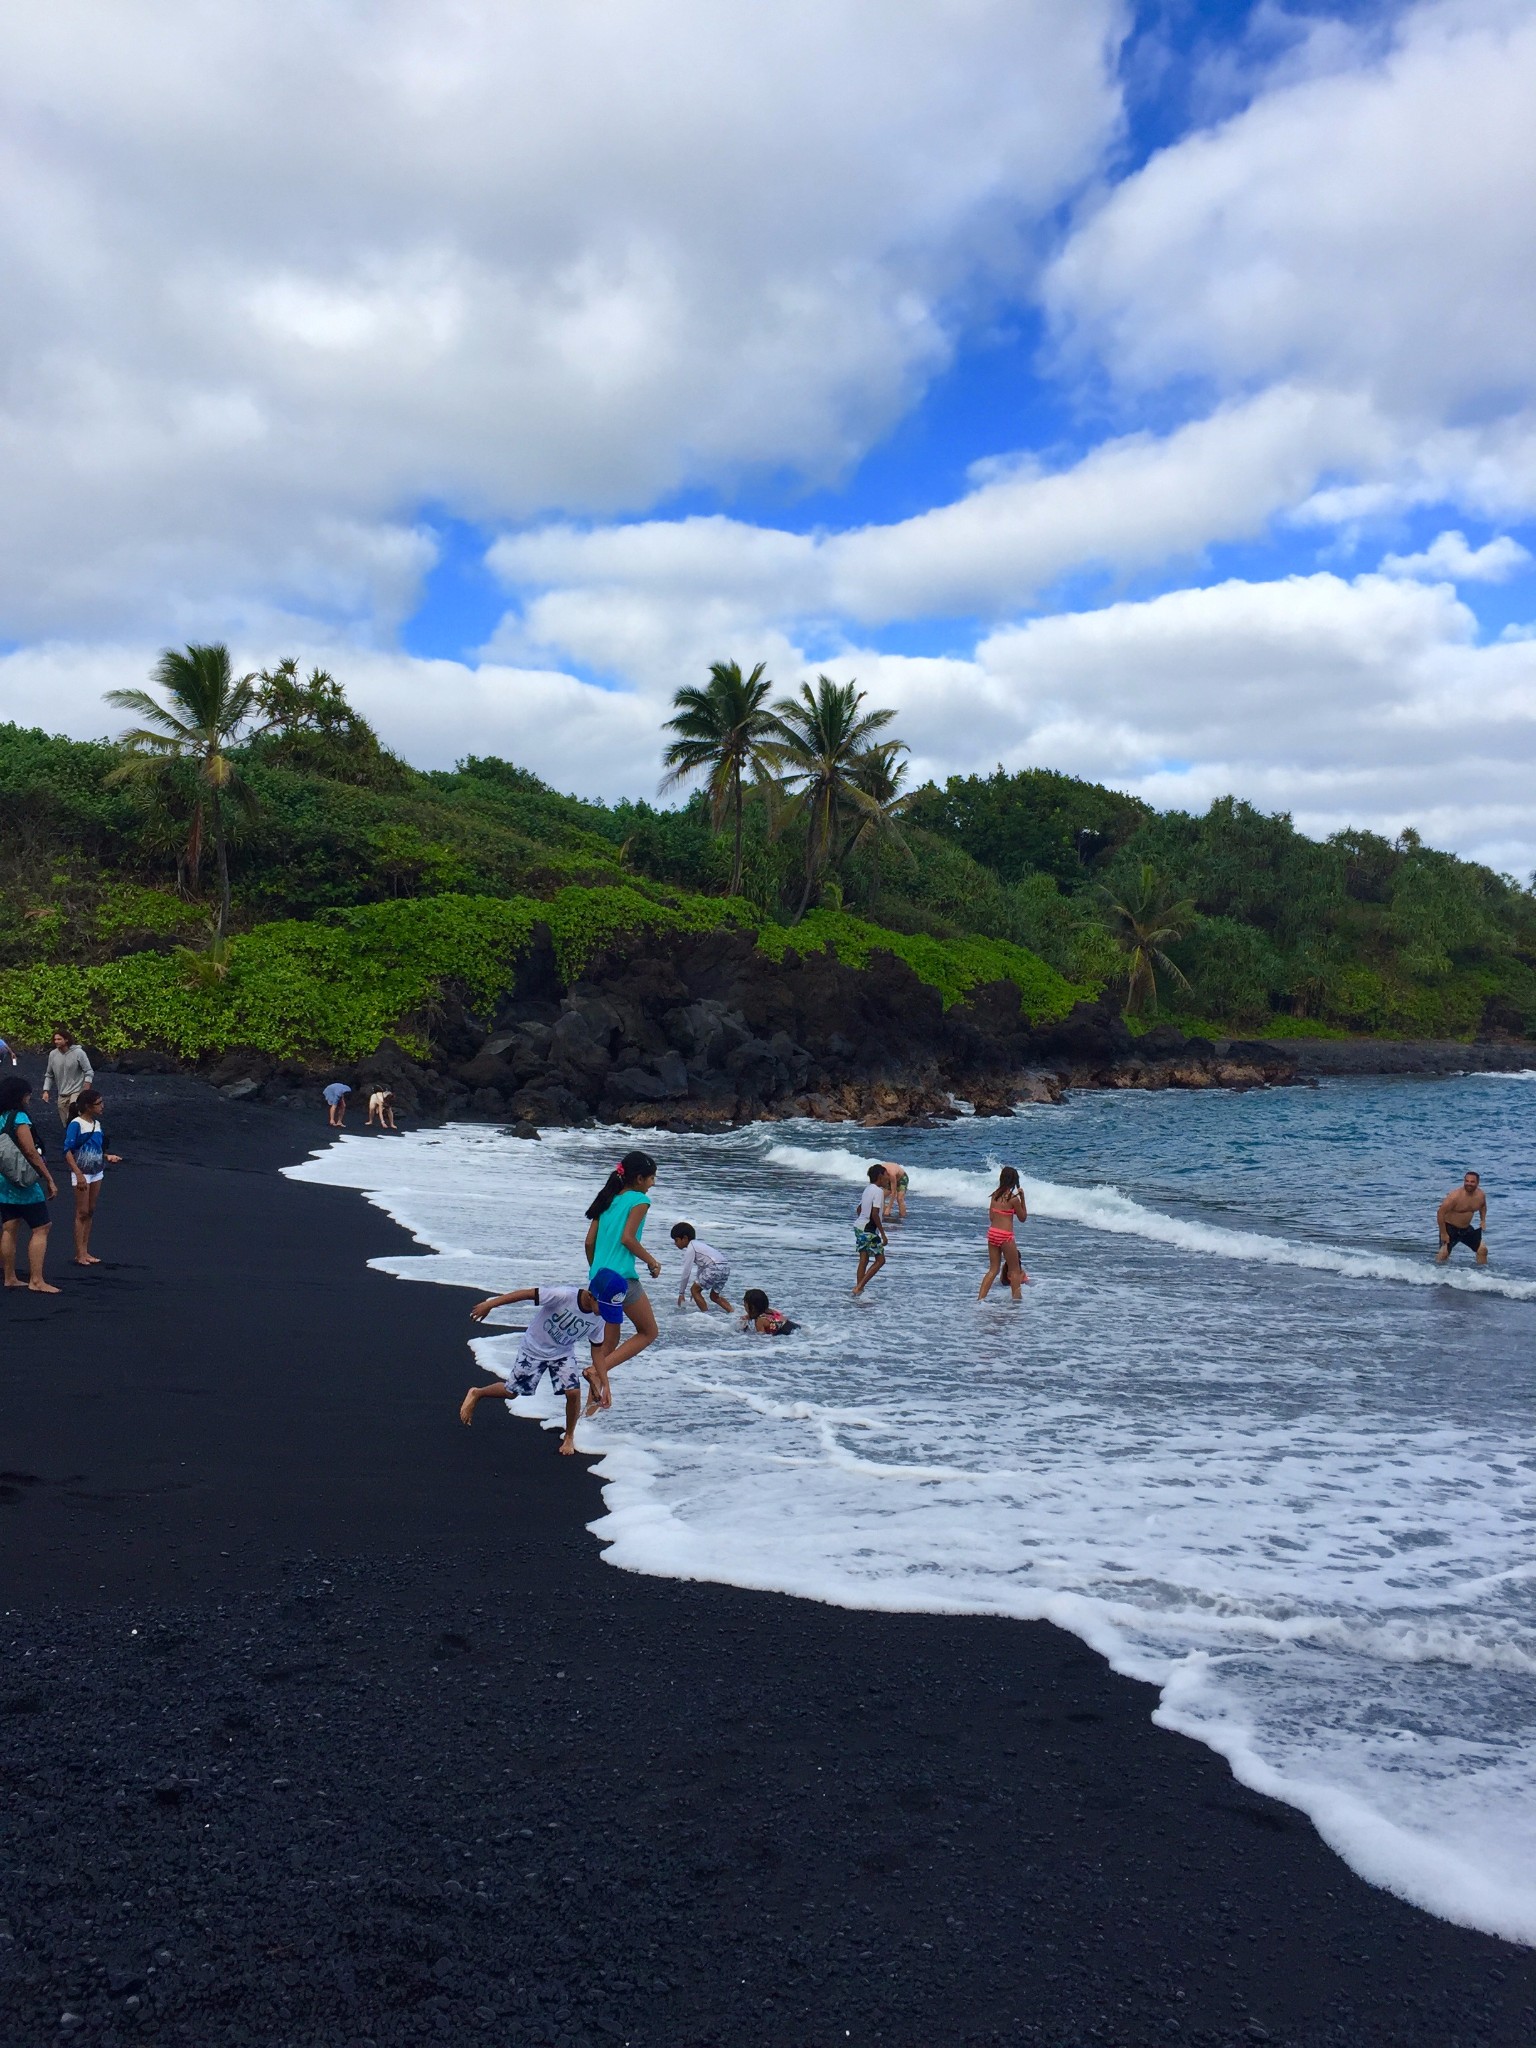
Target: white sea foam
{"x": 1302, "y": 1508}
{"x": 1106, "y": 1208}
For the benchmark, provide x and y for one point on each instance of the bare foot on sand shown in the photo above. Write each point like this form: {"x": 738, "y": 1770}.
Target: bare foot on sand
{"x": 41, "y": 1287}
{"x": 86, "y": 1261}
{"x": 567, "y": 1447}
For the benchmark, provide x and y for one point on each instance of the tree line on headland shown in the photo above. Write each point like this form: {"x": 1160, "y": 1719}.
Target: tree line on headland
{"x": 242, "y": 822}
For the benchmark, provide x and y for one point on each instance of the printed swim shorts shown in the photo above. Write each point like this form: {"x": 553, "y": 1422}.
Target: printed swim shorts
{"x": 564, "y": 1373}
{"x": 869, "y": 1241}
{"x": 710, "y": 1274}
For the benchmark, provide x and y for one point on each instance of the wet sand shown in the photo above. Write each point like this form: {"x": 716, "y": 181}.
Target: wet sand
{"x": 322, "y": 1721}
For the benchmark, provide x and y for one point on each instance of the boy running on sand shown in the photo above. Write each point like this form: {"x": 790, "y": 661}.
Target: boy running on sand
{"x": 869, "y": 1230}
{"x": 704, "y": 1269}
{"x": 564, "y": 1318}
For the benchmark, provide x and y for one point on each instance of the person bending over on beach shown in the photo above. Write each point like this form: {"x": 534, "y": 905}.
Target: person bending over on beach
{"x": 26, "y": 1187}
{"x": 869, "y": 1235}
{"x": 381, "y": 1110}
{"x": 757, "y": 1315}
{"x": 615, "y": 1222}
{"x": 705, "y": 1271}
{"x": 564, "y": 1318}
{"x": 87, "y": 1157}
{"x": 1454, "y": 1217}
{"x": 1004, "y": 1209}
{"x": 336, "y": 1093}
{"x": 896, "y": 1189}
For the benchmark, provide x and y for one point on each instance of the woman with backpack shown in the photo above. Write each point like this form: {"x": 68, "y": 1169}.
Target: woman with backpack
{"x": 26, "y": 1187}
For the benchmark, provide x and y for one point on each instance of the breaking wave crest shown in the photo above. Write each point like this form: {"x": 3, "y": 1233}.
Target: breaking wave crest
{"x": 1107, "y": 1209}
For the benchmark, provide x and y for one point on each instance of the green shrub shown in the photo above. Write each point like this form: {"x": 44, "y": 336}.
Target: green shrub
{"x": 130, "y": 908}
{"x": 952, "y": 966}
{"x": 584, "y": 922}
{"x": 337, "y": 984}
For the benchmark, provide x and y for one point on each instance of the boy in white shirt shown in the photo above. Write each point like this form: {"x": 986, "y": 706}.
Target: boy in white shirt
{"x": 869, "y": 1236}
{"x": 564, "y": 1318}
{"x": 704, "y": 1269}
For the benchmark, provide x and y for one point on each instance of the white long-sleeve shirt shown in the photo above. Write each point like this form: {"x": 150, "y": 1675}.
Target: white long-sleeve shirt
{"x": 703, "y": 1265}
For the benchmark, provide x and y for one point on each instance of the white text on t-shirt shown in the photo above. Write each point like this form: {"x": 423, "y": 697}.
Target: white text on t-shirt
{"x": 558, "y": 1325}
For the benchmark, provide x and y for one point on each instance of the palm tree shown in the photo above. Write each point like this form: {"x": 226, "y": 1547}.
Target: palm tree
{"x": 1143, "y": 919}
{"x": 202, "y": 720}
{"x": 819, "y": 740}
{"x": 879, "y": 774}
{"x": 721, "y": 731}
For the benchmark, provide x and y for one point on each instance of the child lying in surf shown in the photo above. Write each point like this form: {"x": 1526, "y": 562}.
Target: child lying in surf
{"x": 757, "y": 1315}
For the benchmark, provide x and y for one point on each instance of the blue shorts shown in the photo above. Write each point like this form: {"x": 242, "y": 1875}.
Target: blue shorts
{"x": 870, "y": 1241}
{"x": 564, "y": 1373}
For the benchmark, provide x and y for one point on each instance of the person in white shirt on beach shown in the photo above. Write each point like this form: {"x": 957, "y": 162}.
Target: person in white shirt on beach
{"x": 564, "y": 1318}
{"x": 705, "y": 1271}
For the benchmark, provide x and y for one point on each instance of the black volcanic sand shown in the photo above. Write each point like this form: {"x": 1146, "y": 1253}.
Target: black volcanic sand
{"x": 324, "y": 1722}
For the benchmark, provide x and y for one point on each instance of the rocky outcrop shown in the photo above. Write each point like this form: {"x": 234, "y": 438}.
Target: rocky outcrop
{"x": 700, "y": 1031}
{"x": 1316, "y": 1056}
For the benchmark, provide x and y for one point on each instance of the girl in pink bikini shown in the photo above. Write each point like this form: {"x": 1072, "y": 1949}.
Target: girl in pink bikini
{"x": 1005, "y": 1209}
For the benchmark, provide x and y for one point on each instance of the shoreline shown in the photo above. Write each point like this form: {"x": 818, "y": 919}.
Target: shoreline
{"x": 1159, "y": 1059}
{"x": 388, "y": 1709}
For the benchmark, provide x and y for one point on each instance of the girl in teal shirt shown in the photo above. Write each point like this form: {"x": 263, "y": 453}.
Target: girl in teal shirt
{"x": 615, "y": 1222}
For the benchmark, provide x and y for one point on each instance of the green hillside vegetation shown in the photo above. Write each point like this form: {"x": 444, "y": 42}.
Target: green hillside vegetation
{"x": 363, "y": 889}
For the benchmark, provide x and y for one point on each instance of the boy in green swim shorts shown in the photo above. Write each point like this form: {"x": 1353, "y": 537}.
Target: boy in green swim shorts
{"x": 869, "y": 1235}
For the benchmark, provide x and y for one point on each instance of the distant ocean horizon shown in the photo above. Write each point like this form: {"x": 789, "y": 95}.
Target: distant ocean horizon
{"x": 1242, "y": 1435}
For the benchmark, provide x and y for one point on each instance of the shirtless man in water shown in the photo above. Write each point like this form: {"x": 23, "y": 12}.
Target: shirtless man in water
{"x": 1455, "y": 1217}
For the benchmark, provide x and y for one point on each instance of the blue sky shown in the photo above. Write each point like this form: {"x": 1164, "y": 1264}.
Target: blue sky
{"x": 1144, "y": 391}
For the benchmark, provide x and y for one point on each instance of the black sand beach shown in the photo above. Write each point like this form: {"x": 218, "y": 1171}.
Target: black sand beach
{"x": 323, "y": 1722}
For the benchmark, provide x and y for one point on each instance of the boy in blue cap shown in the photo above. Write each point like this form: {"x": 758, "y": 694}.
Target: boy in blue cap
{"x": 564, "y": 1317}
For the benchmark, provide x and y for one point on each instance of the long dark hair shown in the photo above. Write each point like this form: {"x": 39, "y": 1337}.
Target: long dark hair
{"x": 14, "y": 1090}
{"x": 632, "y": 1167}
{"x": 755, "y": 1302}
{"x": 1007, "y": 1183}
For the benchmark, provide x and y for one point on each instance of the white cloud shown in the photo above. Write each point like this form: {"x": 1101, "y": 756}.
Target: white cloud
{"x": 580, "y": 738}
{"x": 278, "y": 275}
{"x": 1363, "y": 229}
{"x": 1449, "y": 555}
{"x": 1132, "y": 502}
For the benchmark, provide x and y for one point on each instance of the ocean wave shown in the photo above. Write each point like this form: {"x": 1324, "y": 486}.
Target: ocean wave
{"x": 1106, "y": 1209}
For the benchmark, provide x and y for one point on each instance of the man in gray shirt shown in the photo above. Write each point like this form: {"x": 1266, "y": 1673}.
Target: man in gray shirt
{"x": 68, "y": 1072}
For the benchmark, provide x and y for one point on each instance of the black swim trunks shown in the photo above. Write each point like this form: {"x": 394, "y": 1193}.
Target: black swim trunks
{"x": 1462, "y": 1233}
